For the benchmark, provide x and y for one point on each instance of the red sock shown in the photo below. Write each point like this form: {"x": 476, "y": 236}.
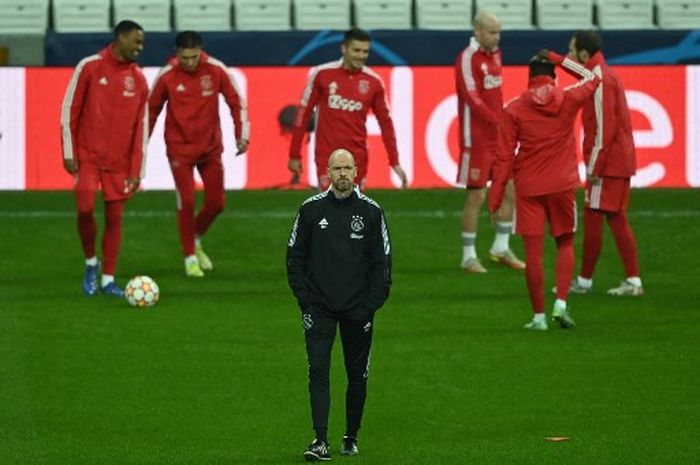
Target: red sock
{"x": 87, "y": 228}
{"x": 212, "y": 174}
{"x": 112, "y": 238}
{"x": 592, "y": 240}
{"x": 626, "y": 243}
{"x": 534, "y": 271}
{"x": 565, "y": 264}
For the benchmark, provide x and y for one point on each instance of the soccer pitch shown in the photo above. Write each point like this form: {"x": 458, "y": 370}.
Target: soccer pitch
{"x": 215, "y": 373}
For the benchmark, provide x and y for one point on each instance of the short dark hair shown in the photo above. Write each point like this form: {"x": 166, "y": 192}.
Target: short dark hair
{"x": 124, "y": 27}
{"x": 589, "y": 41}
{"x": 541, "y": 66}
{"x": 188, "y": 39}
{"x": 356, "y": 34}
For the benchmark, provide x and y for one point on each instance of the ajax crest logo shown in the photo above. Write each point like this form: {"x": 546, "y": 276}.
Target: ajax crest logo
{"x": 357, "y": 224}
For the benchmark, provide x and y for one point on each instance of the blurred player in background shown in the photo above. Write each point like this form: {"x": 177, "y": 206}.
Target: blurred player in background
{"x": 609, "y": 154}
{"x": 541, "y": 155}
{"x": 343, "y": 92}
{"x": 478, "y": 81}
{"x": 191, "y": 83}
{"x": 104, "y": 128}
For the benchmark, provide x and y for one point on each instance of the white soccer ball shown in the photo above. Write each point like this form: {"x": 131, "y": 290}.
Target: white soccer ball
{"x": 142, "y": 291}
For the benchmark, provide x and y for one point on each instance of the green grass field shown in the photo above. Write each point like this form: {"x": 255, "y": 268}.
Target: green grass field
{"x": 216, "y": 372}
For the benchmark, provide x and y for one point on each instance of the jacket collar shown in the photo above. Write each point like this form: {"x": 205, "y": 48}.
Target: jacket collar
{"x": 475, "y": 43}
{"x": 595, "y": 60}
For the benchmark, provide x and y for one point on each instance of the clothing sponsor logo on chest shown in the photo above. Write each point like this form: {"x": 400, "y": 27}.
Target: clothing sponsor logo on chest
{"x": 490, "y": 81}
{"x": 129, "y": 86}
{"x": 357, "y": 225}
{"x": 207, "y": 85}
{"x": 338, "y": 102}
{"x": 363, "y": 86}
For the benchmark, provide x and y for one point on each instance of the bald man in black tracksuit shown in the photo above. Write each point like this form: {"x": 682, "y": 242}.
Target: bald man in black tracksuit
{"x": 339, "y": 268}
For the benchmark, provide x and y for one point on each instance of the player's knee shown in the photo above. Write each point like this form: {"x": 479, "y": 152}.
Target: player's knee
{"x": 358, "y": 377}
{"x": 476, "y": 197}
{"x": 216, "y": 206}
{"x": 319, "y": 373}
{"x": 85, "y": 214}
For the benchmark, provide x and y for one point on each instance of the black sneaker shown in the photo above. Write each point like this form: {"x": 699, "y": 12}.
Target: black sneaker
{"x": 317, "y": 450}
{"x": 348, "y": 446}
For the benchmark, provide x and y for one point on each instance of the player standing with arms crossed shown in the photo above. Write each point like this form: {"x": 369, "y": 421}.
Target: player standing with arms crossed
{"x": 542, "y": 158}
{"x": 104, "y": 129}
{"x": 191, "y": 83}
{"x": 343, "y": 92}
{"x": 609, "y": 154}
{"x": 478, "y": 81}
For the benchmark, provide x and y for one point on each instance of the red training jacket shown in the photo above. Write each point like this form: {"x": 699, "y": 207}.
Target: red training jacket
{"x": 343, "y": 98}
{"x": 104, "y": 114}
{"x": 478, "y": 82}
{"x": 541, "y": 120}
{"x": 608, "y": 144}
{"x": 192, "y": 125}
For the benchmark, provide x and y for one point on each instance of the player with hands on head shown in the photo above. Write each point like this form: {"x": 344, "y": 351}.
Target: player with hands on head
{"x": 104, "y": 130}
{"x": 540, "y": 131}
{"x": 191, "y": 83}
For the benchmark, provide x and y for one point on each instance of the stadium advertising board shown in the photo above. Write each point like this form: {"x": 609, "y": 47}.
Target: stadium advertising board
{"x": 664, "y": 101}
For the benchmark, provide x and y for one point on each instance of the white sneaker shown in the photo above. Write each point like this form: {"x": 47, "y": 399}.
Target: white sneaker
{"x": 561, "y": 316}
{"x": 472, "y": 265}
{"x": 536, "y": 325}
{"x": 576, "y": 288}
{"x": 626, "y": 288}
{"x": 203, "y": 259}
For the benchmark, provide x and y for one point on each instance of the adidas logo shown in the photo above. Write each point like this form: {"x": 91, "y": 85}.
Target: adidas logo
{"x": 180, "y": 88}
{"x": 103, "y": 81}
{"x": 323, "y": 223}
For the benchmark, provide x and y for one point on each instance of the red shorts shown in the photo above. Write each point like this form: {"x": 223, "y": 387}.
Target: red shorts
{"x": 475, "y": 168}
{"x": 533, "y": 212}
{"x": 610, "y": 194}
{"x": 90, "y": 177}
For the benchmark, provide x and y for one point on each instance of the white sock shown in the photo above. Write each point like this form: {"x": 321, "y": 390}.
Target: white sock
{"x": 538, "y": 318}
{"x": 106, "y": 279}
{"x": 190, "y": 259}
{"x": 635, "y": 281}
{"x": 560, "y": 304}
{"x": 468, "y": 247}
{"x": 584, "y": 282}
{"x": 197, "y": 241}
{"x": 500, "y": 241}
{"x": 92, "y": 261}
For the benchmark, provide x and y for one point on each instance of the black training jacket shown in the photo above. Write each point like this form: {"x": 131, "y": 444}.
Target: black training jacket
{"x": 339, "y": 255}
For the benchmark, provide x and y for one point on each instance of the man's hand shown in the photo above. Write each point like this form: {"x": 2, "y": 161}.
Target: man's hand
{"x": 402, "y": 175}
{"x": 242, "y": 146}
{"x": 294, "y": 166}
{"x": 131, "y": 185}
{"x": 70, "y": 165}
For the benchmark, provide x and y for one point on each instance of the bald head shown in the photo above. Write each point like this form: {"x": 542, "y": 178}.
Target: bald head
{"x": 485, "y": 18}
{"x": 487, "y": 30}
{"x": 340, "y": 156}
{"x": 342, "y": 171}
